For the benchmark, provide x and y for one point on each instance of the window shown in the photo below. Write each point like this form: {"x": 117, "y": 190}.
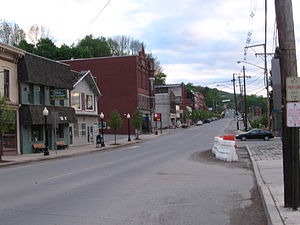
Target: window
{"x": 82, "y": 129}
{"x": 89, "y": 102}
{"x": 30, "y": 94}
{"x": 60, "y": 131}
{"x": 36, "y": 133}
{"x": 6, "y": 84}
{"x": 61, "y": 102}
{"x": 178, "y": 99}
{"x": 42, "y": 95}
{"x": 75, "y": 100}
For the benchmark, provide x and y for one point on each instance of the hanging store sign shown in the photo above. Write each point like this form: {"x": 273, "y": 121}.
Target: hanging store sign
{"x": 293, "y": 114}
{"x": 58, "y": 94}
{"x": 293, "y": 89}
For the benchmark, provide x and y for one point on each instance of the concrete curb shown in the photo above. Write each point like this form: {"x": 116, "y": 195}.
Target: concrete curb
{"x": 270, "y": 207}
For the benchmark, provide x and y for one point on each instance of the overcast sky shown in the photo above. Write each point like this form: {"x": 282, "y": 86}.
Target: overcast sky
{"x": 197, "y": 41}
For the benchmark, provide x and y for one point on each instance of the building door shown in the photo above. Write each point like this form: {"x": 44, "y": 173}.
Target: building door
{"x": 90, "y": 134}
{"x": 71, "y": 134}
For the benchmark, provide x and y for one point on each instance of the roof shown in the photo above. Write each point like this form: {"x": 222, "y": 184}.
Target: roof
{"x": 39, "y": 70}
{"x": 88, "y": 77}
{"x": 33, "y": 114}
{"x": 11, "y": 49}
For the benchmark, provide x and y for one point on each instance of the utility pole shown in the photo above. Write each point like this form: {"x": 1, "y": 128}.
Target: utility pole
{"x": 245, "y": 97}
{"x": 245, "y": 120}
{"x": 235, "y": 102}
{"x": 288, "y": 66}
{"x": 266, "y": 68}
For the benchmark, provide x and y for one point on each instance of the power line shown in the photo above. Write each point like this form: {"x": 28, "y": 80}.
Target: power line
{"x": 88, "y": 26}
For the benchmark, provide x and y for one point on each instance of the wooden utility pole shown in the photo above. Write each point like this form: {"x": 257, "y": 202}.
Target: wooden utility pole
{"x": 245, "y": 100}
{"x": 266, "y": 68}
{"x": 235, "y": 103}
{"x": 288, "y": 66}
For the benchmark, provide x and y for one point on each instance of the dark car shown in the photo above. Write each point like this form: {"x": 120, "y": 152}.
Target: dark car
{"x": 255, "y": 134}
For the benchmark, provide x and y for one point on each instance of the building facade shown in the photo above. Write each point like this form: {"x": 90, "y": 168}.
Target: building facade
{"x": 180, "y": 99}
{"x": 126, "y": 84}
{"x": 84, "y": 99}
{"x": 165, "y": 104}
{"x": 9, "y": 57}
{"x": 44, "y": 83}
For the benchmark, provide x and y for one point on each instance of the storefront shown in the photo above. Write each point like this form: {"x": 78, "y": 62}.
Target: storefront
{"x": 33, "y": 122}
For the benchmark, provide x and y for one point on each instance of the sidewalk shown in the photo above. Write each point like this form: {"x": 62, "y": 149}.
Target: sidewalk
{"x": 268, "y": 168}
{"x": 267, "y": 164}
{"x": 122, "y": 140}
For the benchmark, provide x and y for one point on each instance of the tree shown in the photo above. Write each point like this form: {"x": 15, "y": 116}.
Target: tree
{"x": 11, "y": 33}
{"x": 123, "y": 45}
{"x": 160, "y": 78}
{"x": 37, "y": 32}
{"x": 23, "y": 44}
{"x": 137, "y": 121}
{"x": 7, "y": 121}
{"x": 97, "y": 46}
{"x": 46, "y": 48}
{"x": 115, "y": 122}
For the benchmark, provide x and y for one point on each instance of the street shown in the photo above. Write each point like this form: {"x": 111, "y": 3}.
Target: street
{"x": 170, "y": 180}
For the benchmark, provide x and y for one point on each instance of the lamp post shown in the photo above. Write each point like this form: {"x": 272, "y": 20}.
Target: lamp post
{"x": 128, "y": 118}
{"x": 45, "y": 113}
{"x": 101, "y": 118}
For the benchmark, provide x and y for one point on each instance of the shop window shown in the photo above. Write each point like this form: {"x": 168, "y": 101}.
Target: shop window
{"x": 82, "y": 129}
{"x": 60, "y": 131}
{"x": 30, "y": 94}
{"x": 36, "y": 133}
{"x": 61, "y": 102}
{"x": 42, "y": 95}
{"x": 89, "y": 102}
{"x": 75, "y": 100}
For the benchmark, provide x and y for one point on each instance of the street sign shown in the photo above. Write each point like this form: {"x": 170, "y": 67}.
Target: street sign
{"x": 293, "y": 89}
{"x": 58, "y": 94}
{"x": 293, "y": 114}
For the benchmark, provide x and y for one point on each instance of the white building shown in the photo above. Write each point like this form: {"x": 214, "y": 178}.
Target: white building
{"x": 84, "y": 99}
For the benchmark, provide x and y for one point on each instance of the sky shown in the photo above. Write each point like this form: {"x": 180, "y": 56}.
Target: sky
{"x": 196, "y": 41}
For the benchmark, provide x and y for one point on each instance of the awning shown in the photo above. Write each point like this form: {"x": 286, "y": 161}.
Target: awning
{"x": 33, "y": 114}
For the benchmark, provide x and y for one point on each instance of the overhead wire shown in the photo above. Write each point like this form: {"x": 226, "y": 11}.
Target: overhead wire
{"x": 88, "y": 26}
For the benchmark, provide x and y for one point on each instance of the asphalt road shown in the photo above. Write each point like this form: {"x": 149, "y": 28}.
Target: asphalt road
{"x": 166, "y": 180}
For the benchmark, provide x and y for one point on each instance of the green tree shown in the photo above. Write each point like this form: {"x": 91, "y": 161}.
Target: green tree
{"x": 115, "y": 122}
{"x": 7, "y": 121}
{"x": 46, "y": 48}
{"x": 160, "y": 78}
{"x": 23, "y": 44}
{"x": 137, "y": 121}
{"x": 97, "y": 46}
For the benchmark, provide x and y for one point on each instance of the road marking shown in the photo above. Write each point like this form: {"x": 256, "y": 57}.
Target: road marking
{"x": 81, "y": 170}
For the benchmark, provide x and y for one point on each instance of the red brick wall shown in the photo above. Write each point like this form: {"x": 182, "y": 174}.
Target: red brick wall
{"x": 117, "y": 79}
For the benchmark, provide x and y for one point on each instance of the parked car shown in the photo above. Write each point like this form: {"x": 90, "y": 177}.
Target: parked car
{"x": 199, "y": 123}
{"x": 255, "y": 134}
{"x": 184, "y": 125}
{"x": 206, "y": 121}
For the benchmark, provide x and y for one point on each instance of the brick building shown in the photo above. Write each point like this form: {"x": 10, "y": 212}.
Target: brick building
{"x": 126, "y": 84}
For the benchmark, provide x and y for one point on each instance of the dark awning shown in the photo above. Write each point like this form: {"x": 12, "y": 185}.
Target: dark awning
{"x": 33, "y": 114}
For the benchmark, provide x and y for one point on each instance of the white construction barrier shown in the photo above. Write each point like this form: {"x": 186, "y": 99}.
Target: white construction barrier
{"x": 224, "y": 148}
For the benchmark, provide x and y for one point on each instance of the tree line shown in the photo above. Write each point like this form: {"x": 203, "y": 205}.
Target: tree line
{"x": 41, "y": 43}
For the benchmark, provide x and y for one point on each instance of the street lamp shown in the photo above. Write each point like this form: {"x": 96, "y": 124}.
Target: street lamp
{"x": 128, "y": 118}
{"x": 102, "y": 117}
{"x": 251, "y": 64}
{"x": 45, "y": 113}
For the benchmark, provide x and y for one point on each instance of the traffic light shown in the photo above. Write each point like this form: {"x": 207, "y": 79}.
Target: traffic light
{"x": 157, "y": 116}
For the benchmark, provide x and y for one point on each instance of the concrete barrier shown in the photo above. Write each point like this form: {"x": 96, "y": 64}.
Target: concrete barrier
{"x": 224, "y": 148}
